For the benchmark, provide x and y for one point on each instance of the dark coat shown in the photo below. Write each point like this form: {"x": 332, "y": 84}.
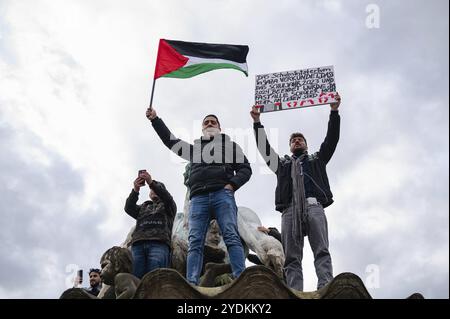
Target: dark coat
{"x": 215, "y": 162}
{"x": 154, "y": 220}
{"x": 317, "y": 163}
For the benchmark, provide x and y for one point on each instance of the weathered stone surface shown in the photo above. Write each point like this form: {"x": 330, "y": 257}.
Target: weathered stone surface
{"x": 214, "y": 273}
{"x": 117, "y": 264}
{"x": 76, "y": 293}
{"x": 345, "y": 286}
{"x": 416, "y": 296}
{"x": 165, "y": 284}
{"x": 256, "y": 282}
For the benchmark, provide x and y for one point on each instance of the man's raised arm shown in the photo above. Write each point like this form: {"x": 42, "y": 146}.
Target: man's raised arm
{"x": 176, "y": 145}
{"x": 329, "y": 144}
{"x": 267, "y": 152}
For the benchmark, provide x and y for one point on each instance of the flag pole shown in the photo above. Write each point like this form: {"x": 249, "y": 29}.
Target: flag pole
{"x": 153, "y": 90}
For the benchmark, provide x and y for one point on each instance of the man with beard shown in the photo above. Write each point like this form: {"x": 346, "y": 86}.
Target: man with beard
{"x": 95, "y": 282}
{"x": 302, "y": 193}
{"x": 218, "y": 169}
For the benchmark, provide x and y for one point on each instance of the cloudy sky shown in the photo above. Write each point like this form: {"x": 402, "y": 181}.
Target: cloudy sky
{"x": 75, "y": 79}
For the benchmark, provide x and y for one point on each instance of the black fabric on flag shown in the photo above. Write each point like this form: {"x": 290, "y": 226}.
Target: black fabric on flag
{"x": 236, "y": 53}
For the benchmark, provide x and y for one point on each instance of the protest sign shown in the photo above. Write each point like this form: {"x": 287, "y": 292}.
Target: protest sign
{"x": 295, "y": 89}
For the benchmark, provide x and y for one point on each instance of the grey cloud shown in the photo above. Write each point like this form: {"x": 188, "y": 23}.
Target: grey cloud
{"x": 41, "y": 228}
{"x": 68, "y": 76}
{"x": 411, "y": 249}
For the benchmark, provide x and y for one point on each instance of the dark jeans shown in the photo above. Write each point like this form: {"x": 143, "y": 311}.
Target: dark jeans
{"x": 149, "y": 255}
{"x": 221, "y": 203}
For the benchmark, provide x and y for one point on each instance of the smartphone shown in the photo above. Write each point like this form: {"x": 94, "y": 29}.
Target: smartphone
{"x": 139, "y": 175}
{"x": 80, "y": 276}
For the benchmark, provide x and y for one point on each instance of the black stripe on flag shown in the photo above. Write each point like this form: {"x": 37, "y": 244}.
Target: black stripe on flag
{"x": 236, "y": 53}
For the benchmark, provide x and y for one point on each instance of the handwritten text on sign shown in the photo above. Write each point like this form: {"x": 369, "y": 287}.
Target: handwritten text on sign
{"x": 295, "y": 89}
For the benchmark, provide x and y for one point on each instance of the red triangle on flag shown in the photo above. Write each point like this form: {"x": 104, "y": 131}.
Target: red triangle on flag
{"x": 168, "y": 59}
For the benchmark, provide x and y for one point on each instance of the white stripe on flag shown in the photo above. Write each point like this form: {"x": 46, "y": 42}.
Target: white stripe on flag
{"x": 196, "y": 60}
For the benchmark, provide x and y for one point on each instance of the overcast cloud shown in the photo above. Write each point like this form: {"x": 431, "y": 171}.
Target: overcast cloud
{"x": 75, "y": 79}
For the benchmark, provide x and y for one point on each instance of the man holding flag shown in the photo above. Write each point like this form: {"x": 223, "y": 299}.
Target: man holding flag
{"x": 218, "y": 165}
{"x": 218, "y": 169}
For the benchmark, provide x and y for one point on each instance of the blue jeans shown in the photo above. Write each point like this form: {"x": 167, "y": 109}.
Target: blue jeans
{"x": 221, "y": 203}
{"x": 149, "y": 255}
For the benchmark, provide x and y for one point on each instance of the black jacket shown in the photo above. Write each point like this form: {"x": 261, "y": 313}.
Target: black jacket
{"x": 94, "y": 290}
{"x": 214, "y": 163}
{"x": 317, "y": 161}
{"x": 154, "y": 220}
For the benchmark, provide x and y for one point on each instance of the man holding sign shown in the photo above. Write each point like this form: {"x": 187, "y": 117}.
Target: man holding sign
{"x": 301, "y": 195}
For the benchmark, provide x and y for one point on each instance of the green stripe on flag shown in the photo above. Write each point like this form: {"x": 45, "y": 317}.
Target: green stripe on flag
{"x": 196, "y": 69}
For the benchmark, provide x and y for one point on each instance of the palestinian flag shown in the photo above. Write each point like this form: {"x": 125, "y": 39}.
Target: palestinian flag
{"x": 178, "y": 59}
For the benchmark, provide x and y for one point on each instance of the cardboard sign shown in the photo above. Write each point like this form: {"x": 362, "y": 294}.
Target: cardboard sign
{"x": 295, "y": 89}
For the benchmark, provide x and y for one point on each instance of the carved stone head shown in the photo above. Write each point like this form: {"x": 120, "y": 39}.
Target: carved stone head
{"x": 114, "y": 261}
{"x": 213, "y": 235}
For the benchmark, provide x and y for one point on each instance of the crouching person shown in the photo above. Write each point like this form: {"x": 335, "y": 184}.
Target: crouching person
{"x": 150, "y": 241}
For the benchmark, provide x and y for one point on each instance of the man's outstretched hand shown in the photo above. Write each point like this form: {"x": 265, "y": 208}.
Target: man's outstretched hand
{"x": 147, "y": 177}
{"x": 254, "y": 113}
{"x": 335, "y": 106}
{"x": 138, "y": 183}
{"x": 151, "y": 113}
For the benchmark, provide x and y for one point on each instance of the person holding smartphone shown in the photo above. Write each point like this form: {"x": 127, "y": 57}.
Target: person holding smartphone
{"x": 95, "y": 281}
{"x": 151, "y": 239}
